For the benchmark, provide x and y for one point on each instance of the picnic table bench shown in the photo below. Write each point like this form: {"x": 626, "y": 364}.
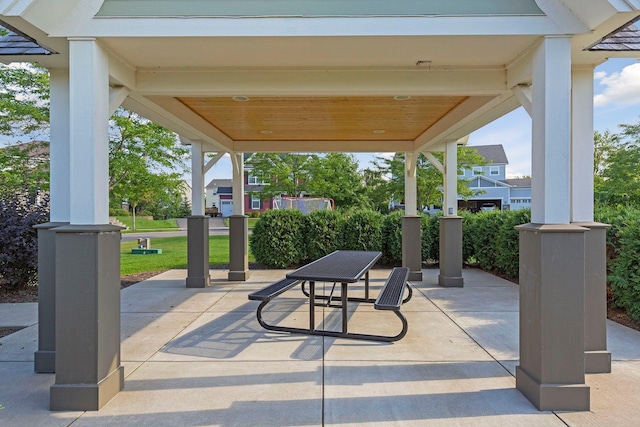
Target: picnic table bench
{"x": 342, "y": 267}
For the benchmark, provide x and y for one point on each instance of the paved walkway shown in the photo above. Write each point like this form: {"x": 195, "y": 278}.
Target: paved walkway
{"x": 198, "y": 357}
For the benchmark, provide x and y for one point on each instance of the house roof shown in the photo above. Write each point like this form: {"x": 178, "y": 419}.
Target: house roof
{"x": 218, "y": 183}
{"x": 35, "y": 149}
{"x": 19, "y": 44}
{"x": 493, "y": 154}
{"x": 518, "y": 182}
{"x": 626, "y": 38}
{"x": 225, "y": 190}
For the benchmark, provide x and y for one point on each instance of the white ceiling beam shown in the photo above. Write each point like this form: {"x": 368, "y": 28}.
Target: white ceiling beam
{"x": 358, "y": 82}
{"x": 434, "y": 161}
{"x": 456, "y": 118}
{"x": 562, "y": 16}
{"x": 211, "y": 163}
{"x": 156, "y": 114}
{"x": 121, "y": 73}
{"x": 117, "y": 95}
{"x": 183, "y": 113}
{"x": 323, "y": 146}
{"x": 523, "y": 94}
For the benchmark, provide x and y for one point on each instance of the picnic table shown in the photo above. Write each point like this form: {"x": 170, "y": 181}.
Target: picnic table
{"x": 345, "y": 268}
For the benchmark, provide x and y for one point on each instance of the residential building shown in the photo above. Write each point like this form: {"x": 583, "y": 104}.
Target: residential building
{"x": 495, "y": 190}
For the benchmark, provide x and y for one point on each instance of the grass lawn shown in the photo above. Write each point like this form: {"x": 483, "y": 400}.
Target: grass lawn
{"x": 174, "y": 254}
{"x": 252, "y": 222}
{"x": 149, "y": 224}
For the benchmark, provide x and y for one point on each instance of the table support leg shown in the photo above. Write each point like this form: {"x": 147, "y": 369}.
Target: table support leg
{"x": 345, "y": 312}
{"x": 312, "y": 305}
{"x": 366, "y": 285}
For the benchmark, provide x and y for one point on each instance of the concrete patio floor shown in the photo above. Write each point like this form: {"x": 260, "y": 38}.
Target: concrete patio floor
{"x": 198, "y": 357}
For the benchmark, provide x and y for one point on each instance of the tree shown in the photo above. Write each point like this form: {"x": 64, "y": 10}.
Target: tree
{"x": 24, "y": 169}
{"x": 24, "y": 100}
{"x": 283, "y": 174}
{"x": 429, "y": 178}
{"x": 617, "y": 180}
{"x": 336, "y": 175}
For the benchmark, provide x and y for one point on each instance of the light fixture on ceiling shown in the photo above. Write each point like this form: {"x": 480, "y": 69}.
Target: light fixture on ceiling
{"x": 240, "y": 98}
{"x": 423, "y": 63}
{"x": 266, "y": 132}
{"x": 401, "y": 97}
{"x": 379, "y": 131}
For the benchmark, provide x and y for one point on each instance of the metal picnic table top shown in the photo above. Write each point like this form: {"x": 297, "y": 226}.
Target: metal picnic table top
{"x": 339, "y": 266}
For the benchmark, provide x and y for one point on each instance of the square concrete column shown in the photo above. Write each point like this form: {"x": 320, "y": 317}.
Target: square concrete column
{"x": 45, "y": 356}
{"x": 238, "y": 248}
{"x": 198, "y": 251}
{"x": 412, "y": 246}
{"x": 88, "y": 368}
{"x": 450, "y": 252}
{"x": 552, "y": 362}
{"x": 596, "y": 357}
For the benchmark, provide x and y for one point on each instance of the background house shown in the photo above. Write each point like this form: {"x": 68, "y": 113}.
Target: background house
{"x": 497, "y": 192}
{"x": 219, "y": 193}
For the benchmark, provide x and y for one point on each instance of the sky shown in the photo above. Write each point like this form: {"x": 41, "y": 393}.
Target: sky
{"x": 616, "y": 101}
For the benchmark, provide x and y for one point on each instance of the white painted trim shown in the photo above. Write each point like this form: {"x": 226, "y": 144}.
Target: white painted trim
{"x": 434, "y": 161}
{"x": 238, "y": 183}
{"x": 582, "y": 145}
{"x": 213, "y": 161}
{"x": 451, "y": 179}
{"x": 354, "y": 146}
{"x": 197, "y": 178}
{"x": 322, "y": 82}
{"x": 562, "y": 16}
{"x": 59, "y": 147}
{"x": 88, "y": 136}
{"x": 523, "y": 94}
{"x": 117, "y": 95}
{"x": 410, "y": 183}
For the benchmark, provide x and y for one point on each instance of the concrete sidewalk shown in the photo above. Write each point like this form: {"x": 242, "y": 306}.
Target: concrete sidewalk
{"x": 196, "y": 357}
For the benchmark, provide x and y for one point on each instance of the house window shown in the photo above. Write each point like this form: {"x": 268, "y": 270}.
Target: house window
{"x": 494, "y": 170}
{"x": 255, "y": 202}
{"x": 477, "y": 170}
{"x": 521, "y": 201}
{"x": 253, "y": 180}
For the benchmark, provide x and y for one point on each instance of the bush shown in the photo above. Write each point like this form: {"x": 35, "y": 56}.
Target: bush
{"x": 118, "y": 212}
{"x": 485, "y": 232}
{"x": 468, "y": 231}
{"x": 363, "y": 231}
{"x": 323, "y": 233}
{"x": 19, "y": 240}
{"x": 507, "y": 242}
{"x": 431, "y": 237}
{"x": 277, "y": 238}
{"x": 392, "y": 238}
{"x": 625, "y": 270}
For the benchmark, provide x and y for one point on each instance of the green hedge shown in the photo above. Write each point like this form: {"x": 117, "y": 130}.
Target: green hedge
{"x": 363, "y": 231}
{"x": 323, "y": 233}
{"x": 277, "y": 238}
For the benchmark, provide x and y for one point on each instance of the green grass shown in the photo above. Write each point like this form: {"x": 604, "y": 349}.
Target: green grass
{"x": 174, "y": 254}
{"x": 252, "y": 222}
{"x": 149, "y": 224}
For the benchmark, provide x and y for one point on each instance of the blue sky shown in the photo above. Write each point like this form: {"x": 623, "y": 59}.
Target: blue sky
{"x": 617, "y": 101}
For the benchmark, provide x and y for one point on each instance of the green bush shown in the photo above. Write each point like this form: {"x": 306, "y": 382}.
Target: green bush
{"x": 277, "y": 238}
{"x": 507, "y": 242}
{"x": 392, "y": 238}
{"x": 118, "y": 212}
{"x": 468, "y": 230}
{"x": 363, "y": 231}
{"x": 625, "y": 270}
{"x": 323, "y": 233}
{"x": 485, "y": 232}
{"x": 431, "y": 237}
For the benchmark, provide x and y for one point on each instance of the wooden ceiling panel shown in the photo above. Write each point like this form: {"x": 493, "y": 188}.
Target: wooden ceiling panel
{"x": 322, "y": 118}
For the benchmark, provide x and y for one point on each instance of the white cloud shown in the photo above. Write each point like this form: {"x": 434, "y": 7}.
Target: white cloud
{"x": 620, "y": 88}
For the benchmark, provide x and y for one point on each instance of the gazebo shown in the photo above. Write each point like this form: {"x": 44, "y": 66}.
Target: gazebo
{"x": 321, "y": 76}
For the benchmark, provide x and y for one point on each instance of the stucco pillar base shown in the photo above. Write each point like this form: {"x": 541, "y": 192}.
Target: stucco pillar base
{"x": 596, "y": 357}
{"x": 412, "y": 246}
{"x": 238, "y": 248}
{"x": 45, "y": 356}
{"x": 553, "y": 397}
{"x": 88, "y": 368}
{"x": 552, "y": 361}
{"x": 198, "y": 252}
{"x": 450, "y": 252}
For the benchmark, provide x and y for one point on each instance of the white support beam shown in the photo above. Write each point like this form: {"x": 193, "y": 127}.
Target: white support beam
{"x": 117, "y": 95}
{"x": 410, "y": 183}
{"x": 451, "y": 179}
{"x": 211, "y": 163}
{"x": 121, "y": 73}
{"x": 551, "y": 135}
{"x": 359, "y": 82}
{"x": 582, "y": 145}
{"x": 59, "y": 168}
{"x": 197, "y": 179}
{"x": 523, "y": 94}
{"x": 372, "y": 146}
{"x": 89, "y": 138}
{"x": 434, "y": 161}
{"x": 460, "y": 116}
{"x": 238, "y": 183}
